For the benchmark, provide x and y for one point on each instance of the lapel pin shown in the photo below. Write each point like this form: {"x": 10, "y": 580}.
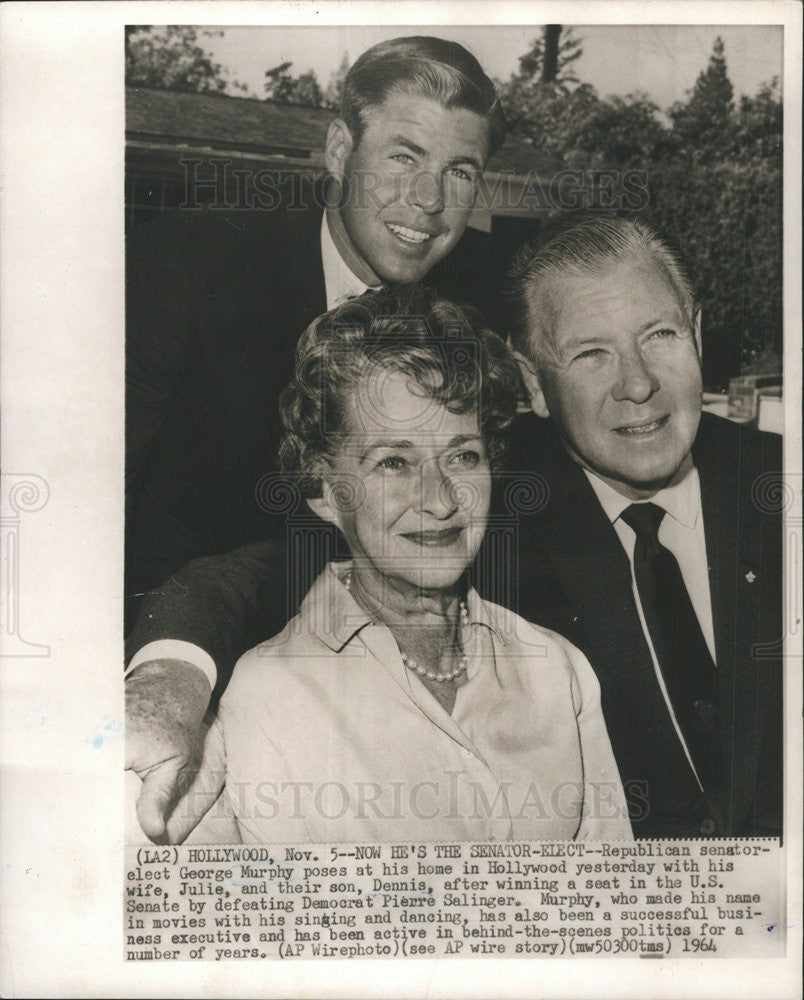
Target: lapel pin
{"x": 750, "y": 576}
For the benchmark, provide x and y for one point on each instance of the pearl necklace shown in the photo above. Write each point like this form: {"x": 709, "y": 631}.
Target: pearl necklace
{"x": 411, "y": 664}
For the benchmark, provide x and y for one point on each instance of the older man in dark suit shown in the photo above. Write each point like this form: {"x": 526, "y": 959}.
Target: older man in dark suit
{"x": 654, "y": 550}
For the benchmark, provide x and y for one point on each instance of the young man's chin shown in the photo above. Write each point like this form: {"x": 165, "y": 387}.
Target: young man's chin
{"x": 406, "y": 272}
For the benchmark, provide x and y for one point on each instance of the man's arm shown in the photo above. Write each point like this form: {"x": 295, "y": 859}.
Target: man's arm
{"x": 221, "y": 605}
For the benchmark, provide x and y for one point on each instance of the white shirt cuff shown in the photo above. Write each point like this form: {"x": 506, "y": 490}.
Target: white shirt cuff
{"x": 175, "y": 649}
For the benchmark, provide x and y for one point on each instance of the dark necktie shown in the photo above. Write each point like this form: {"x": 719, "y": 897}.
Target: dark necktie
{"x": 686, "y": 664}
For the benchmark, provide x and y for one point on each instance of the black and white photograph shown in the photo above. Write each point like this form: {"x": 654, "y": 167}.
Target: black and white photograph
{"x": 396, "y": 443}
{"x": 406, "y": 523}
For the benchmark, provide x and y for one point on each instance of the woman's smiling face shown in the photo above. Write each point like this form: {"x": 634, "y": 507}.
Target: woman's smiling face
{"x": 409, "y": 486}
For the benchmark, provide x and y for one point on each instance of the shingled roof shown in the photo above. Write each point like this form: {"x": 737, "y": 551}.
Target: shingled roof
{"x": 264, "y": 128}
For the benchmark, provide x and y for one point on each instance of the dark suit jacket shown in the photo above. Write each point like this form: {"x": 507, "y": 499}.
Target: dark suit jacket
{"x": 574, "y": 576}
{"x": 215, "y": 305}
{"x": 552, "y": 555}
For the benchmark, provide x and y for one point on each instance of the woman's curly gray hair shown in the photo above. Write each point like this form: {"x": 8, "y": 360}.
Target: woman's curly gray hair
{"x": 445, "y": 348}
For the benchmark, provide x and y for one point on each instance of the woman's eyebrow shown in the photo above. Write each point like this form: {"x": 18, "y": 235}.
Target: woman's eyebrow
{"x": 453, "y": 442}
{"x": 387, "y": 443}
{"x": 462, "y": 439}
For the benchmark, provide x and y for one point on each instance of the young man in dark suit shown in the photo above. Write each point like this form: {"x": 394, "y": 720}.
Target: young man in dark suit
{"x": 215, "y": 306}
{"x": 217, "y": 301}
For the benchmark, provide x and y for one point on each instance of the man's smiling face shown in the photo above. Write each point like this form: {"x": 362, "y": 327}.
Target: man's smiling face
{"x": 409, "y": 186}
{"x": 622, "y": 377}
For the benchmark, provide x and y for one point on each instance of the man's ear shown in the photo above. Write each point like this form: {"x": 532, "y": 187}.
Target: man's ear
{"x": 338, "y": 147}
{"x": 531, "y": 379}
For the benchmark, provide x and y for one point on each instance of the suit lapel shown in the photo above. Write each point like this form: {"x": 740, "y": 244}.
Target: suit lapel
{"x": 732, "y": 539}
{"x": 732, "y": 536}
{"x": 300, "y": 294}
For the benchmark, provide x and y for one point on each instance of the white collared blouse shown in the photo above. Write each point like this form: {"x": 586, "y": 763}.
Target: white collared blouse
{"x": 329, "y": 738}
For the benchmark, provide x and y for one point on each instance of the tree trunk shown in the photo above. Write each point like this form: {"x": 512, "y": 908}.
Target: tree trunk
{"x": 552, "y": 33}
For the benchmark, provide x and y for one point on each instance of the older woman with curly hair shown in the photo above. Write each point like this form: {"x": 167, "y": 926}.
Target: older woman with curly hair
{"x": 398, "y": 705}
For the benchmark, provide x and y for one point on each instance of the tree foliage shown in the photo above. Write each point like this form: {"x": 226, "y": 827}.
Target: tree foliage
{"x": 282, "y": 87}
{"x": 544, "y": 77}
{"x": 705, "y": 118}
{"x": 550, "y": 57}
{"x": 334, "y": 92}
{"x": 713, "y": 175}
{"x": 169, "y": 57}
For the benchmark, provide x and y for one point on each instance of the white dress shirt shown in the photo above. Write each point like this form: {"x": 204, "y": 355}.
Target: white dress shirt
{"x": 682, "y": 533}
{"x": 340, "y": 282}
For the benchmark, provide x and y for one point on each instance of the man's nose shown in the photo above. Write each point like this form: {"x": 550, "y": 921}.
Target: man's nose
{"x": 437, "y": 494}
{"x": 635, "y": 380}
{"x": 427, "y": 193}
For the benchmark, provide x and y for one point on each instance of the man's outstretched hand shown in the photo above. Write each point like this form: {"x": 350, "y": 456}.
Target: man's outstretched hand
{"x": 170, "y": 746}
